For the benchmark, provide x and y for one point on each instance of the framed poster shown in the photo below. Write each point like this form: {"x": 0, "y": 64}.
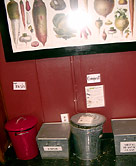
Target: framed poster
{"x": 33, "y": 29}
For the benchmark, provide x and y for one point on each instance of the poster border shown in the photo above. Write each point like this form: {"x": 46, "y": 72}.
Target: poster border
{"x": 55, "y": 52}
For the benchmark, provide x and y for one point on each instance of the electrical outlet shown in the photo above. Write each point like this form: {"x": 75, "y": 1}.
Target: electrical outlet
{"x": 64, "y": 118}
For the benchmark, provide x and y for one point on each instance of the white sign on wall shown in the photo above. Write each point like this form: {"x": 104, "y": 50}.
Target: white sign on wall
{"x": 95, "y": 96}
{"x": 19, "y": 85}
{"x": 93, "y": 78}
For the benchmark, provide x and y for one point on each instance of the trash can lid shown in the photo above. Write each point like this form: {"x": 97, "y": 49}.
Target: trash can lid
{"x": 21, "y": 123}
{"x": 88, "y": 119}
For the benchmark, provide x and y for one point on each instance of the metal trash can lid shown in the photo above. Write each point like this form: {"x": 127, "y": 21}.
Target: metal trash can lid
{"x": 51, "y": 131}
{"x": 21, "y": 123}
{"x": 124, "y": 126}
{"x": 87, "y": 119}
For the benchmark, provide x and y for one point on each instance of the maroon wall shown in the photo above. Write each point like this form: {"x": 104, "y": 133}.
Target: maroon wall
{"x": 57, "y": 85}
{"x": 3, "y": 133}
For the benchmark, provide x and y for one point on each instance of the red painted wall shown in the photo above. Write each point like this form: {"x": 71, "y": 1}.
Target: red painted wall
{"x": 3, "y": 133}
{"x": 57, "y": 85}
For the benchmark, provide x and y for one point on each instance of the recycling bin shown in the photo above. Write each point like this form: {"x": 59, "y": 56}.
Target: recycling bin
{"x": 53, "y": 140}
{"x": 86, "y": 129}
{"x": 22, "y": 132}
{"x": 124, "y": 131}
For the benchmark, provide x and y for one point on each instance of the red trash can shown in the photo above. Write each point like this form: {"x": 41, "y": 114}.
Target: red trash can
{"x": 22, "y": 132}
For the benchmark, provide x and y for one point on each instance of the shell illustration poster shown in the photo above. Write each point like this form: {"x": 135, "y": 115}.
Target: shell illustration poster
{"x": 48, "y": 24}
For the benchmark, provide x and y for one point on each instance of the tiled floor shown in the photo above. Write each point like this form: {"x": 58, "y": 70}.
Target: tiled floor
{"x": 106, "y": 158}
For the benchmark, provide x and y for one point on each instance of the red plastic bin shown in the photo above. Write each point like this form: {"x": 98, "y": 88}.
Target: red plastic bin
{"x": 22, "y": 132}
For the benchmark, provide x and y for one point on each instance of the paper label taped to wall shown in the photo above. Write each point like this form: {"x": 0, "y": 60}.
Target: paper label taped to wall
{"x": 94, "y": 96}
{"x": 93, "y": 78}
{"x": 127, "y": 147}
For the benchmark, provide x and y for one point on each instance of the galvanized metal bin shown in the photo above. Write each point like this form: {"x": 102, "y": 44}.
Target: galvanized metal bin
{"x": 86, "y": 131}
{"x": 53, "y": 140}
{"x": 124, "y": 131}
{"x": 122, "y": 160}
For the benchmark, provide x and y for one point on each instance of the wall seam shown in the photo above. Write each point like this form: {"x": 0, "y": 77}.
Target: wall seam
{"x": 74, "y": 83}
{"x": 39, "y": 90}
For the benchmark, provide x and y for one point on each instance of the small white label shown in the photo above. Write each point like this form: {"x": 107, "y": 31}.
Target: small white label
{"x": 93, "y": 78}
{"x": 85, "y": 119}
{"x": 19, "y": 85}
{"x": 52, "y": 148}
{"x": 127, "y": 147}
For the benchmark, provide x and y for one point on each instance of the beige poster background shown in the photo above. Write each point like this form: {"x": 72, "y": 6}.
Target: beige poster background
{"x": 50, "y": 24}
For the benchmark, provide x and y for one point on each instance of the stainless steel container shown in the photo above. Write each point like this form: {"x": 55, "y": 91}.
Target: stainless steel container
{"x": 53, "y": 140}
{"x": 121, "y": 160}
{"x": 86, "y": 131}
{"x": 124, "y": 131}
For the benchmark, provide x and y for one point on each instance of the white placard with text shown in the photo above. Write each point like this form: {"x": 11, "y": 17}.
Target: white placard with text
{"x": 95, "y": 96}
